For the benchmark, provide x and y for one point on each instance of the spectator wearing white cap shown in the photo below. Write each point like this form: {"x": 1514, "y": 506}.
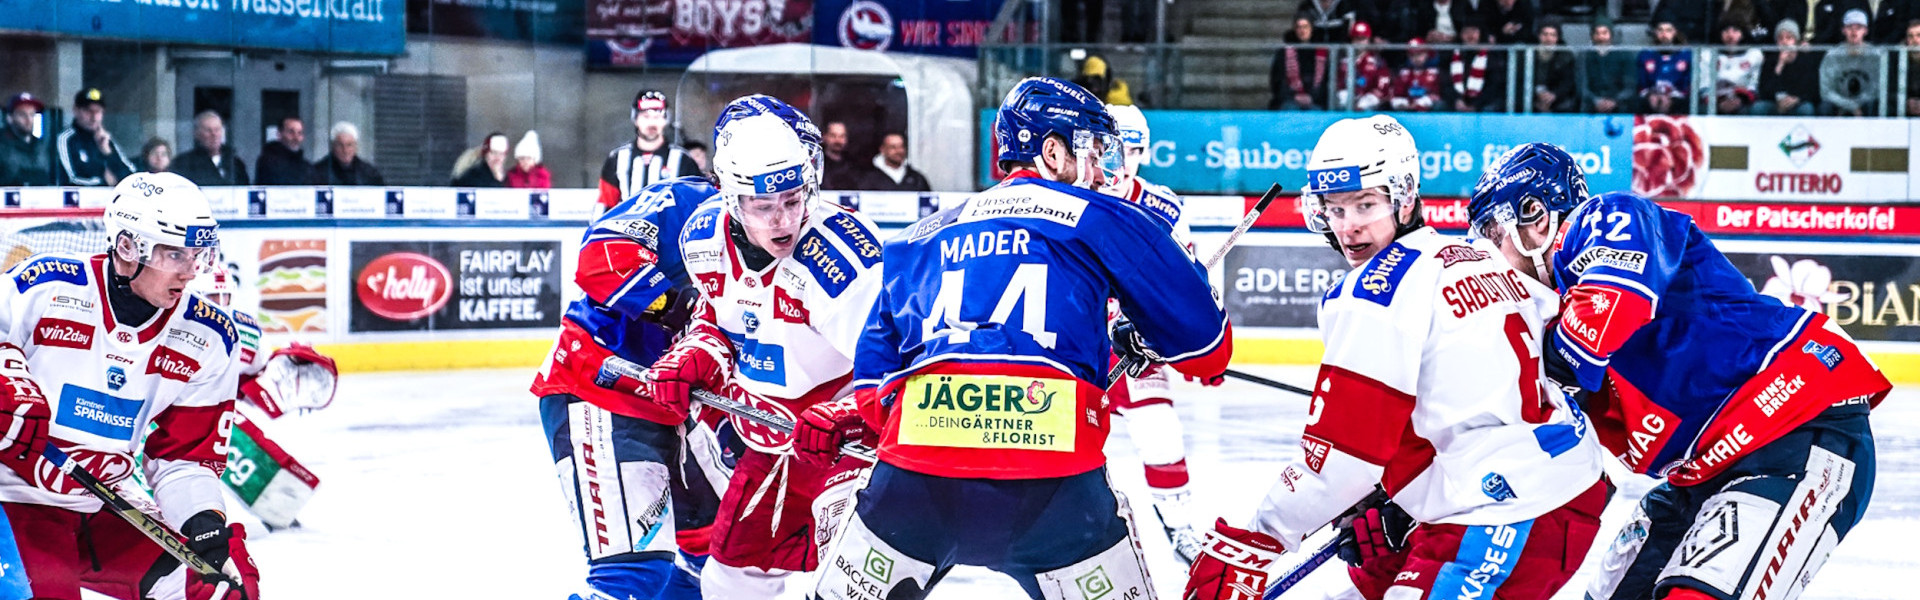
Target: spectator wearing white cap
{"x": 26, "y": 158}
{"x": 527, "y": 171}
{"x": 484, "y": 165}
{"x": 1850, "y": 76}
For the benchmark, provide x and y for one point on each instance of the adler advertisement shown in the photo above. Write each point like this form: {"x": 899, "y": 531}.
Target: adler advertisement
{"x": 1280, "y": 285}
{"x": 454, "y": 285}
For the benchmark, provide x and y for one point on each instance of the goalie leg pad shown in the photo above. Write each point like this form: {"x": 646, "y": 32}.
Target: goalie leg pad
{"x": 614, "y": 475}
{"x": 1117, "y": 572}
{"x": 862, "y": 566}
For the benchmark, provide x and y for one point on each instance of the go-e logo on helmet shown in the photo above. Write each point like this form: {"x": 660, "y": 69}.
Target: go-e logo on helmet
{"x": 777, "y": 181}
{"x": 1342, "y": 179}
{"x": 202, "y": 237}
{"x": 147, "y": 188}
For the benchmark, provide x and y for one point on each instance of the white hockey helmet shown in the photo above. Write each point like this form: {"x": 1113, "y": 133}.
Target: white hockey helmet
{"x": 1360, "y": 154}
{"x": 218, "y": 284}
{"x": 1135, "y": 138}
{"x": 767, "y": 174}
{"x": 161, "y": 220}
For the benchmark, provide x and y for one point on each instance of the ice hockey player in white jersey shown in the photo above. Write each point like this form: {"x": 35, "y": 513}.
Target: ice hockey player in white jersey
{"x": 93, "y": 350}
{"x": 1431, "y": 389}
{"x": 787, "y": 281}
{"x": 1145, "y": 403}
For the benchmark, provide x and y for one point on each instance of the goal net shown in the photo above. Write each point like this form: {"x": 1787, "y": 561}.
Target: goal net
{"x": 26, "y": 232}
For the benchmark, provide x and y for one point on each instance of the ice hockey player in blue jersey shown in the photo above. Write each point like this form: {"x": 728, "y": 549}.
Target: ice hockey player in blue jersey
{"x": 1754, "y": 412}
{"x": 982, "y": 370}
{"x": 635, "y": 494}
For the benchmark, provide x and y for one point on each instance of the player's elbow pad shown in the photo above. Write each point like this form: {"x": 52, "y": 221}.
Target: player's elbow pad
{"x": 1211, "y": 364}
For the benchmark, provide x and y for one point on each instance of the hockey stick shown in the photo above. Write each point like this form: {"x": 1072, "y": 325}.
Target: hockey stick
{"x": 1131, "y": 363}
{"x": 626, "y": 368}
{"x": 1251, "y": 378}
{"x": 1325, "y": 553}
{"x": 159, "y": 532}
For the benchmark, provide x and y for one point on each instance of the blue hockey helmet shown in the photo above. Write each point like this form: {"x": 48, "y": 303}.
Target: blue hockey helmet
{"x": 1532, "y": 181}
{"x": 1039, "y": 107}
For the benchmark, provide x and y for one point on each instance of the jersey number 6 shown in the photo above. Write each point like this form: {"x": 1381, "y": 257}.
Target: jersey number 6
{"x": 1533, "y": 409}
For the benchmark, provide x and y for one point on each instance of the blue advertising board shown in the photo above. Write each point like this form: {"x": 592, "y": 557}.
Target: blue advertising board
{"x": 333, "y": 26}
{"x": 1242, "y": 152}
{"x": 941, "y": 27}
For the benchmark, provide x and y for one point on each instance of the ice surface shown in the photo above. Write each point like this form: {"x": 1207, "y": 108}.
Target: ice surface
{"x": 438, "y": 485}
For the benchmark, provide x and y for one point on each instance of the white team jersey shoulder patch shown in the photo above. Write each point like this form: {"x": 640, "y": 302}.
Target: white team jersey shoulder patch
{"x": 48, "y": 268}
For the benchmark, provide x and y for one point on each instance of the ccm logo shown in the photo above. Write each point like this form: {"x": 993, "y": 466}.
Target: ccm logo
{"x": 171, "y": 364}
{"x": 61, "y": 333}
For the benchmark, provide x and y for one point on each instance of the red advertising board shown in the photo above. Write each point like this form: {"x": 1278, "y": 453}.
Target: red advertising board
{"x": 1733, "y": 218}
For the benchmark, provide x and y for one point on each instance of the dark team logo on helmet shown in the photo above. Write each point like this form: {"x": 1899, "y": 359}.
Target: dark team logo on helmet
{"x": 866, "y": 25}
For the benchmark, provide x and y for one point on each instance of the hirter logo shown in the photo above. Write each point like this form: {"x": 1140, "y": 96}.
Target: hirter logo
{"x": 787, "y": 308}
{"x": 403, "y": 286}
{"x": 61, "y": 333}
{"x": 171, "y": 364}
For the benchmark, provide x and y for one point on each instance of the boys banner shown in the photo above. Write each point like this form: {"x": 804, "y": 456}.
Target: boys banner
{"x": 1242, "y": 152}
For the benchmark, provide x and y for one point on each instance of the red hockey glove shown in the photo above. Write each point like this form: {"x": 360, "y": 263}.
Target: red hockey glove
{"x": 23, "y": 414}
{"x": 242, "y": 561}
{"x": 826, "y": 426}
{"x": 697, "y": 360}
{"x": 1233, "y": 565}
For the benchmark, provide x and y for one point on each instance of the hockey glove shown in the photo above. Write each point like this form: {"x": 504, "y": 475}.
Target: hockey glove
{"x": 296, "y": 377}
{"x": 1558, "y": 370}
{"x": 242, "y": 561}
{"x": 208, "y": 536}
{"x": 1373, "y": 533}
{"x": 1233, "y": 564}
{"x": 673, "y": 309}
{"x": 1130, "y": 347}
{"x": 696, "y": 361}
{"x": 23, "y": 414}
{"x": 826, "y": 426}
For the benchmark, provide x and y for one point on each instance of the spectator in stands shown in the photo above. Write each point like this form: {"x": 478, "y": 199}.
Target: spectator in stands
{"x": 1612, "y": 75}
{"x": 1331, "y": 18}
{"x": 890, "y": 172}
{"x": 649, "y": 158}
{"x": 1891, "y": 20}
{"x": 1759, "y": 15}
{"x": 1828, "y": 19}
{"x": 1392, "y": 20}
{"x": 1097, "y": 78}
{"x": 527, "y": 172}
{"x": 839, "y": 173}
{"x": 25, "y": 158}
{"x": 156, "y": 155}
{"x": 284, "y": 160}
{"x": 1850, "y": 76}
{"x": 1736, "y": 70}
{"x": 1476, "y": 76}
{"x": 1691, "y": 19}
{"x": 1416, "y": 86}
{"x": 1913, "y": 64}
{"x": 212, "y": 161}
{"x": 483, "y": 166}
{"x": 1555, "y": 77}
{"x": 1665, "y": 72}
{"x": 1299, "y": 75}
{"x": 697, "y": 151}
{"x": 1440, "y": 16}
{"x": 1789, "y": 76}
{"x": 86, "y": 151}
{"x": 343, "y": 165}
{"x": 1372, "y": 78}
{"x": 1508, "y": 21}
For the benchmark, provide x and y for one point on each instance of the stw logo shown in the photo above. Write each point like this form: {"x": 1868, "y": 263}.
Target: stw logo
{"x": 61, "y": 333}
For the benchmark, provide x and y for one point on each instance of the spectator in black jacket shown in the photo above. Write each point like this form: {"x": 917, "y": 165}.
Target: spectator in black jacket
{"x": 284, "y": 160}
{"x": 156, "y": 156}
{"x": 1612, "y": 82}
{"x": 1891, "y": 20}
{"x": 1392, "y": 20}
{"x": 1299, "y": 75}
{"x": 1910, "y": 90}
{"x": 25, "y": 158}
{"x": 1441, "y": 16}
{"x": 1508, "y": 21}
{"x": 342, "y": 165}
{"x": 890, "y": 171}
{"x": 1691, "y": 18}
{"x": 86, "y": 151}
{"x": 483, "y": 166}
{"x": 1789, "y": 76}
{"x": 1331, "y": 18}
{"x": 211, "y": 162}
{"x": 1555, "y": 79}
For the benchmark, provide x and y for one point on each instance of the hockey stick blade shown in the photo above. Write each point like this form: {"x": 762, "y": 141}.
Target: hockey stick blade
{"x": 1302, "y": 570}
{"x": 1251, "y": 378}
{"x": 626, "y": 368}
{"x": 1132, "y": 363}
{"x": 168, "y": 539}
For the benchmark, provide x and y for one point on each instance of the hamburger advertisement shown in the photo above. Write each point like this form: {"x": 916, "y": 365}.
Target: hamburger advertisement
{"x": 293, "y": 286}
